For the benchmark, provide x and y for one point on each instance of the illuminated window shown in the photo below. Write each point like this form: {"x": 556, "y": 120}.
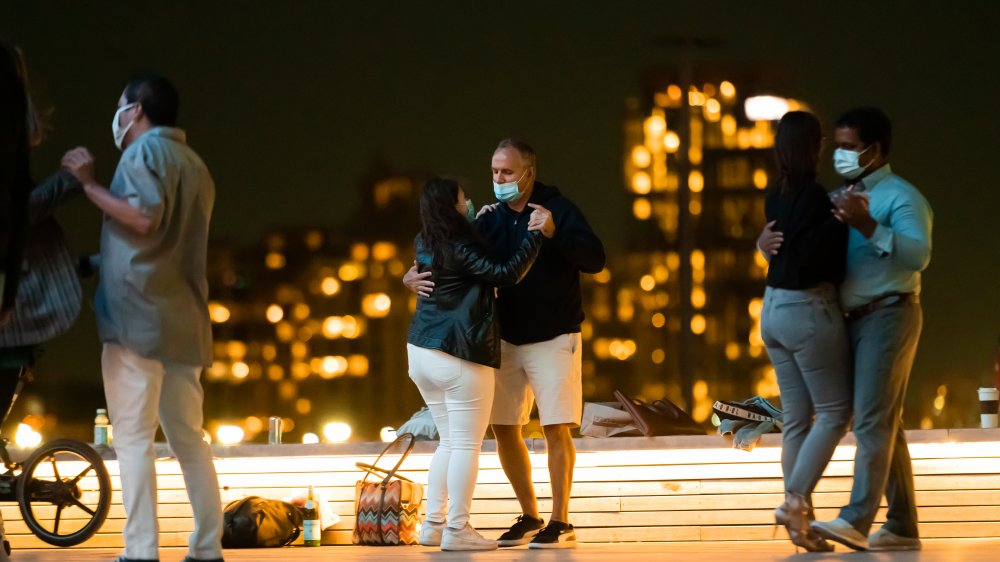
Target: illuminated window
{"x": 376, "y": 305}
{"x": 383, "y": 251}
{"x": 698, "y": 297}
{"x": 659, "y": 320}
{"x": 330, "y": 286}
{"x": 274, "y": 314}
{"x": 642, "y": 209}
{"x": 698, "y": 324}
{"x": 642, "y": 183}
{"x": 696, "y": 181}
{"x": 641, "y": 157}
{"x": 274, "y": 260}
{"x": 359, "y": 252}
{"x": 350, "y": 271}
{"x": 658, "y": 356}
{"x": 760, "y": 178}
{"x": 671, "y": 142}
{"x": 698, "y": 259}
{"x": 218, "y": 313}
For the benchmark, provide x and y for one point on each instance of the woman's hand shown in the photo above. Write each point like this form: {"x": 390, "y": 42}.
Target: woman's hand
{"x": 770, "y": 241}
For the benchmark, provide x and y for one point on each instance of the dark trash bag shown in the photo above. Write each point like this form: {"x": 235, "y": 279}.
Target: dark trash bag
{"x": 255, "y": 522}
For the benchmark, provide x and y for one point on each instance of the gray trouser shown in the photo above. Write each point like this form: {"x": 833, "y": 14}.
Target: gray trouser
{"x": 884, "y": 343}
{"x": 806, "y": 339}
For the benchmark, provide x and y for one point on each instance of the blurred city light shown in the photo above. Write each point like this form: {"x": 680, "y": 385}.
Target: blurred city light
{"x": 337, "y": 432}
{"x": 229, "y": 434}
{"x": 387, "y": 434}
{"x": 26, "y": 437}
{"x": 765, "y": 108}
{"x": 218, "y": 313}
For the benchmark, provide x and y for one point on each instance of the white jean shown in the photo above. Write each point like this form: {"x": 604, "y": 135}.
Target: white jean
{"x": 143, "y": 393}
{"x": 459, "y": 395}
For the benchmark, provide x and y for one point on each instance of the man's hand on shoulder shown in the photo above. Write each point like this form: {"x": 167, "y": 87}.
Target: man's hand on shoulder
{"x": 419, "y": 283}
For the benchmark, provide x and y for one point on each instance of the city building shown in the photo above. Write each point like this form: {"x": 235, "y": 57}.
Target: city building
{"x": 311, "y": 325}
{"x": 677, "y": 313}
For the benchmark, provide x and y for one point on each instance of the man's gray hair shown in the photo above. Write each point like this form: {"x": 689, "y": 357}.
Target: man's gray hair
{"x": 522, "y": 148}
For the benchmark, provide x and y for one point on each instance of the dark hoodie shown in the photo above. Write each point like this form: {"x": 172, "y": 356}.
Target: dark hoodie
{"x": 547, "y": 302}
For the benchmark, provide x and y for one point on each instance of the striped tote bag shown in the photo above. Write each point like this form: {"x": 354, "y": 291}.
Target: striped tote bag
{"x": 387, "y": 507}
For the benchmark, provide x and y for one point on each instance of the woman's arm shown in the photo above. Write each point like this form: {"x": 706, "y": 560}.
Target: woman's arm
{"x": 476, "y": 263}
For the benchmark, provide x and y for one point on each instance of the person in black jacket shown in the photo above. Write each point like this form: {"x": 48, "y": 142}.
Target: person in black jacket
{"x": 802, "y": 324}
{"x": 453, "y": 347}
{"x": 19, "y": 130}
{"x": 540, "y": 321}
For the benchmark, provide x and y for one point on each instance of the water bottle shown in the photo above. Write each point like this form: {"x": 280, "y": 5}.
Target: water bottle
{"x": 102, "y": 428}
{"x": 311, "y": 532}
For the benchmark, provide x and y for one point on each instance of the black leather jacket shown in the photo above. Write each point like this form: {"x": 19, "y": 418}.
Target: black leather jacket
{"x": 459, "y": 318}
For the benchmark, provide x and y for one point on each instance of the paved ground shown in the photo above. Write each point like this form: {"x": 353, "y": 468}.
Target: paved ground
{"x": 940, "y": 550}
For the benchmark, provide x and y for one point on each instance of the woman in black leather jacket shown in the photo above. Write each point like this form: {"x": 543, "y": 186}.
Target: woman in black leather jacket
{"x": 453, "y": 347}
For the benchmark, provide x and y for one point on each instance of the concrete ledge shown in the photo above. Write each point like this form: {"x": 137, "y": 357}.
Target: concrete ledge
{"x": 586, "y": 444}
{"x": 626, "y": 489}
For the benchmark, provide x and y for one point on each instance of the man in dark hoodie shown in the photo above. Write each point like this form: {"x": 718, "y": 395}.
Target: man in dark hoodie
{"x": 540, "y": 322}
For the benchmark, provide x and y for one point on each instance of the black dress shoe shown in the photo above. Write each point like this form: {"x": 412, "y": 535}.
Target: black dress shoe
{"x": 189, "y": 559}
{"x": 124, "y": 559}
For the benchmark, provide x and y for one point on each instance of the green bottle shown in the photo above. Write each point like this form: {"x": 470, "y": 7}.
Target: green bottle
{"x": 311, "y": 532}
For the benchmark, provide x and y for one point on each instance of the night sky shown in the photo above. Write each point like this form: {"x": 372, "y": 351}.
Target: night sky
{"x": 289, "y": 103}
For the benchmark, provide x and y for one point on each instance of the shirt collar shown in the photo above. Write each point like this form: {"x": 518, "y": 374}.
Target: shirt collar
{"x": 172, "y": 133}
{"x": 873, "y": 179}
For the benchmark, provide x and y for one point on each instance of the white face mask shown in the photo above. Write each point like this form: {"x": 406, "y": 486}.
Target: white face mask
{"x": 508, "y": 192}
{"x": 846, "y": 163}
{"x": 116, "y": 129}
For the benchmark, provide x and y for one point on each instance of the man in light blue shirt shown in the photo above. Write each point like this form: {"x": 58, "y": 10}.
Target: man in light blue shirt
{"x": 152, "y": 311}
{"x": 889, "y": 246}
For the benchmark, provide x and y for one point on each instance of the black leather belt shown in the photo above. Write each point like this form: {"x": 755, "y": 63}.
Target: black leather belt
{"x": 880, "y": 303}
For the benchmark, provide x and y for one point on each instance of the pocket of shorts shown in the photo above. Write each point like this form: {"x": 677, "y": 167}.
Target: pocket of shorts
{"x": 573, "y": 342}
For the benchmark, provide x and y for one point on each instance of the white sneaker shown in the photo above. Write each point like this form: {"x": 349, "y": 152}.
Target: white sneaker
{"x": 465, "y": 538}
{"x": 430, "y": 533}
{"x": 841, "y": 531}
{"x": 883, "y": 539}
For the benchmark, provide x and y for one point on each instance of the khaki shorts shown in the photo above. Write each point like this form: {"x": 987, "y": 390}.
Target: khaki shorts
{"x": 549, "y": 373}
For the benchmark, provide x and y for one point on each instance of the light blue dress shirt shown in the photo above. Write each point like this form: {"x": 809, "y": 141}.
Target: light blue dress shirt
{"x": 153, "y": 293}
{"x": 892, "y": 259}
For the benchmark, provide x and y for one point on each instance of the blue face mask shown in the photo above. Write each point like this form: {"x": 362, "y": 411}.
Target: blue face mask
{"x": 508, "y": 192}
{"x": 846, "y": 163}
{"x": 470, "y": 210}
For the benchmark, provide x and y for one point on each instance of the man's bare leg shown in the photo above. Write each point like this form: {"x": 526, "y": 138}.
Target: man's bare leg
{"x": 516, "y": 465}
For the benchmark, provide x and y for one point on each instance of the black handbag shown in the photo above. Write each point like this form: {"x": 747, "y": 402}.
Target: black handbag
{"x": 662, "y": 417}
{"x": 256, "y": 522}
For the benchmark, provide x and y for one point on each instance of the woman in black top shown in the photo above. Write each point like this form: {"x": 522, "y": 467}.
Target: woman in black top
{"x": 453, "y": 347}
{"x": 18, "y": 130}
{"x": 802, "y": 324}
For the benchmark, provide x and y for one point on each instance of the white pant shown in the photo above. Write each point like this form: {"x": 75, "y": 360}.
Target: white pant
{"x": 459, "y": 395}
{"x": 143, "y": 393}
